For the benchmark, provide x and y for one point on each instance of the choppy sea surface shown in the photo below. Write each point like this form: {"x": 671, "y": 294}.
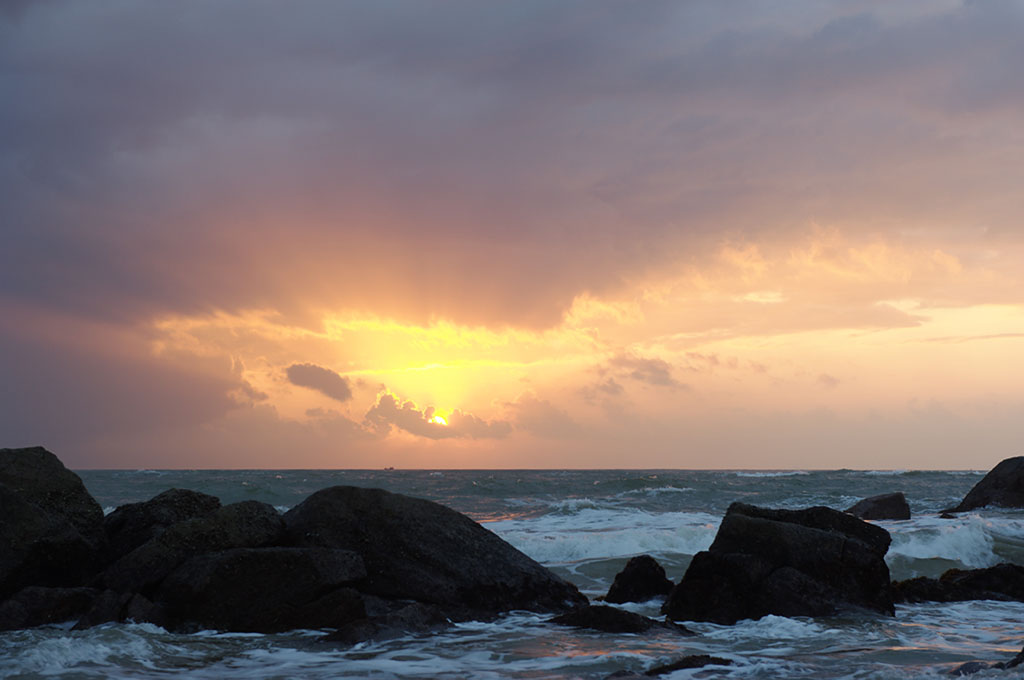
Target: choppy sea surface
{"x": 584, "y": 525}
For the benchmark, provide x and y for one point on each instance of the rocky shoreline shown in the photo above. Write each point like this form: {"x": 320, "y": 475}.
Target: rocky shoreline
{"x": 369, "y": 564}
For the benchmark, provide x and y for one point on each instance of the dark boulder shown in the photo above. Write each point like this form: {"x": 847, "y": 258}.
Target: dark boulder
{"x": 52, "y": 529}
{"x": 37, "y": 606}
{"x": 264, "y": 590}
{"x": 1003, "y": 486}
{"x": 418, "y": 550}
{"x": 131, "y": 525}
{"x": 612, "y": 620}
{"x": 811, "y": 562}
{"x": 388, "y": 619}
{"x": 884, "y": 506}
{"x": 640, "y": 580}
{"x": 248, "y": 524}
{"x": 110, "y": 606}
{"x": 1001, "y": 582}
{"x": 691, "y": 661}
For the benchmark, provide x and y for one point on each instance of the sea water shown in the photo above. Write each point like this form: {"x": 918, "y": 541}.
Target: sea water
{"x": 584, "y": 525}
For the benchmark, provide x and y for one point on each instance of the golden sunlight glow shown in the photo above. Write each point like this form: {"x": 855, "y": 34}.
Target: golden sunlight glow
{"x": 439, "y": 420}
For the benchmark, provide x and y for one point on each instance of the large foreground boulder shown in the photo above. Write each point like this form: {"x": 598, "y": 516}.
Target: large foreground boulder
{"x": 883, "y": 506}
{"x": 811, "y": 562}
{"x": 265, "y": 590}
{"x": 247, "y": 524}
{"x": 642, "y": 579}
{"x": 131, "y": 525}
{"x": 51, "y": 529}
{"x": 1002, "y": 486}
{"x": 418, "y": 550}
{"x": 1001, "y": 582}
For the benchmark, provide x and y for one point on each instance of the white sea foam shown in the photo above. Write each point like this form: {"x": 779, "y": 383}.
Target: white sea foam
{"x": 592, "y": 533}
{"x": 968, "y": 541}
{"x": 780, "y": 473}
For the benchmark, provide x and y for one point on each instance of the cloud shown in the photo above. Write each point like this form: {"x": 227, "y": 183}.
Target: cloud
{"x": 827, "y": 381}
{"x": 321, "y": 379}
{"x": 650, "y": 371}
{"x": 541, "y": 417}
{"x": 389, "y": 412}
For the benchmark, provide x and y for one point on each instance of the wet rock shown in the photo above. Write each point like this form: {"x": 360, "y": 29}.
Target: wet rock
{"x": 418, "y": 550}
{"x": 811, "y": 562}
{"x": 642, "y": 579}
{"x": 264, "y": 590}
{"x": 37, "y": 606}
{"x": 110, "y": 606}
{"x": 131, "y": 525}
{"x": 884, "y": 506}
{"x": 969, "y": 668}
{"x": 691, "y": 661}
{"x": 1001, "y": 582}
{"x": 1003, "y": 486}
{"x": 52, "y": 529}
{"x": 388, "y": 619}
{"x": 612, "y": 620}
{"x": 248, "y": 524}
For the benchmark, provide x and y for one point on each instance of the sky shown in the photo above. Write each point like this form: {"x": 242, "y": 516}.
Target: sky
{"x": 531, "y": 234}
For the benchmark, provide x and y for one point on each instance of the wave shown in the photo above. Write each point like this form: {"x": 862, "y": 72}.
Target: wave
{"x": 929, "y": 546}
{"x": 602, "y": 533}
{"x": 780, "y": 473}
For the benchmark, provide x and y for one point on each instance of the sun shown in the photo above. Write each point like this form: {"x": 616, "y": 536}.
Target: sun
{"x": 438, "y": 420}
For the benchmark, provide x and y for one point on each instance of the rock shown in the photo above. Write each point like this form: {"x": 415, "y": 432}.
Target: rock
{"x": 39, "y": 477}
{"x": 52, "y": 529}
{"x": 418, "y": 550}
{"x": 265, "y": 590}
{"x": 811, "y": 562}
{"x": 691, "y": 661}
{"x": 1001, "y": 582}
{"x": 121, "y": 607}
{"x": 969, "y": 668}
{"x": 640, "y": 580}
{"x": 37, "y": 606}
{"x": 884, "y": 506}
{"x": 613, "y": 620}
{"x": 131, "y": 525}
{"x": 248, "y": 524}
{"x": 388, "y": 619}
{"x": 1002, "y": 486}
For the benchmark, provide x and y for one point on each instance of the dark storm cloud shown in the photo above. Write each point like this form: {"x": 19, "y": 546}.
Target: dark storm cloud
{"x": 189, "y": 156}
{"x": 323, "y": 380}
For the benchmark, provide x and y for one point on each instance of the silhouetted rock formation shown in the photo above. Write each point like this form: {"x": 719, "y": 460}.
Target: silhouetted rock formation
{"x": 364, "y": 561}
{"x": 640, "y": 580}
{"x": 883, "y": 506}
{"x": 1001, "y": 582}
{"x": 52, "y": 529}
{"x": 810, "y": 562}
{"x": 1002, "y": 486}
{"x": 418, "y": 550}
{"x": 131, "y": 525}
{"x": 612, "y": 620}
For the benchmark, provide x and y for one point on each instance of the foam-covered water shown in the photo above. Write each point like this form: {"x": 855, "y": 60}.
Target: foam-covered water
{"x": 584, "y": 525}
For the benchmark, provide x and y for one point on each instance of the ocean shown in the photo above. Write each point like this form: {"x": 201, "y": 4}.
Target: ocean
{"x": 584, "y": 525}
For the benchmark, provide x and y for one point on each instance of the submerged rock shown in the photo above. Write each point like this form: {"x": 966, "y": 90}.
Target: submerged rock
{"x": 1001, "y": 582}
{"x": 810, "y": 562}
{"x": 1002, "y": 486}
{"x": 418, "y": 550}
{"x": 612, "y": 620}
{"x": 52, "y": 529}
{"x": 883, "y": 506}
{"x": 642, "y": 579}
